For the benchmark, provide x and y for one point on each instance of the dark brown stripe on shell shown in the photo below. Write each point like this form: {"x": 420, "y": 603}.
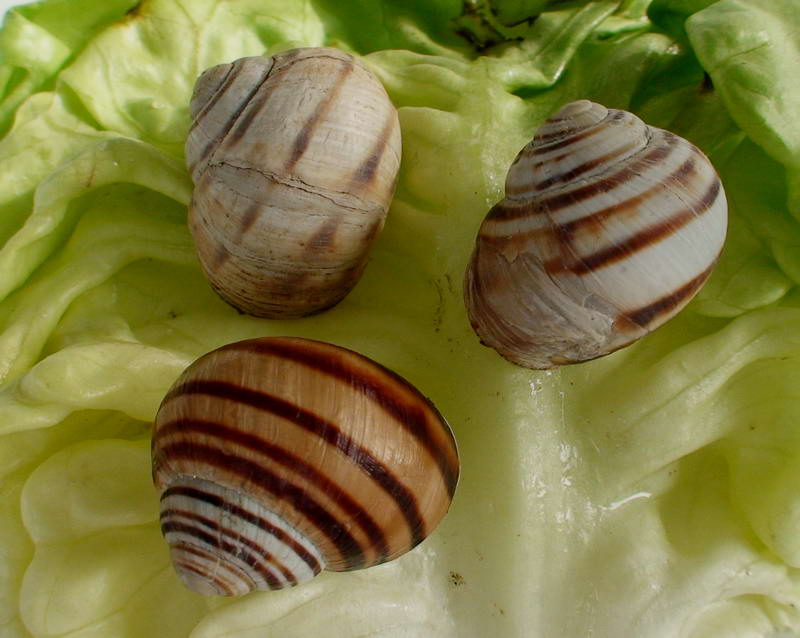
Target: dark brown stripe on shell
{"x": 218, "y": 502}
{"x": 227, "y": 434}
{"x": 558, "y": 158}
{"x": 326, "y": 430}
{"x": 288, "y": 460}
{"x": 348, "y": 547}
{"x": 199, "y": 224}
{"x": 585, "y": 167}
{"x": 408, "y": 414}
{"x": 323, "y": 237}
{"x": 259, "y": 551}
{"x": 217, "y": 543}
{"x": 645, "y": 315}
{"x": 366, "y": 171}
{"x": 545, "y": 205}
{"x": 237, "y": 571}
{"x": 640, "y": 240}
{"x": 560, "y": 141}
{"x": 255, "y": 107}
{"x": 213, "y": 143}
{"x": 224, "y": 85}
{"x": 303, "y": 138}
{"x": 247, "y": 220}
{"x": 543, "y": 145}
{"x": 681, "y": 175}
{"x": 567, "y": 231}
{"x": 219, "y": 583}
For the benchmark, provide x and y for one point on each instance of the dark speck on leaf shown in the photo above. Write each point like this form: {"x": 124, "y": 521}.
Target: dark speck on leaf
{"x": 457, "y": 579}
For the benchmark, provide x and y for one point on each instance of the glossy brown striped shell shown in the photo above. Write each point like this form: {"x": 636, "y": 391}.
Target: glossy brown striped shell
{"x": 294, "y": 160}
{"x": 279, "y": 457}
{"x": 609, "y": 227}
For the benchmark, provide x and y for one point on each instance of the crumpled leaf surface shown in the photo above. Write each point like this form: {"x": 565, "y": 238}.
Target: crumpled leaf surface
{"x": 651, "y": 493}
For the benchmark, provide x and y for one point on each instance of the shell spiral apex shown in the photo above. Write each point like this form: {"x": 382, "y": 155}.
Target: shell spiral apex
{"x": 608, "y": 228}
{"x": 294, "y": 160}
{"x": 277, "y": 458}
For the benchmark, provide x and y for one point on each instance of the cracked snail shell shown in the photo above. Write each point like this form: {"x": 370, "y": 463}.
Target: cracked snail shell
{"x": 608, "y": 228}
{"x": 294, "y": 160}
{"x": 279, "y": 457}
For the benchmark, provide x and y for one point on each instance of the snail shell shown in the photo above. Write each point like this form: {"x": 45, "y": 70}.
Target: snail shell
{"x": 294, "y": 160}
{"x": 608, "y": 228}
{"x": 279, "y": 457}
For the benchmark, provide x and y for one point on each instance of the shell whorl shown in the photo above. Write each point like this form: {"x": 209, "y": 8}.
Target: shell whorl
{"x": 224, "y": 543}
{"x": 571, "y": 119}
{"x": 609, "y": 227}
{"x": 341, "y": 456}
{"x": 294, "y": 160}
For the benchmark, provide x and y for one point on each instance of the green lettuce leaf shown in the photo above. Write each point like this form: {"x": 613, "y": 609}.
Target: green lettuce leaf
{"x": 40, "y": 39}
{"x": 749, "y": 48}
{"x": 651, "y": 493}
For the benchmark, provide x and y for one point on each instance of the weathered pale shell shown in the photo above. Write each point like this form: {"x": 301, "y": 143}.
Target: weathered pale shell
{"x": 279, "y": 457}
{"x": 294, "y": 160}
{"x": 609, "y": 227}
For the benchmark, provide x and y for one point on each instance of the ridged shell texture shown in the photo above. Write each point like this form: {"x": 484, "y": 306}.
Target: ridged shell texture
{"x": 279, "y": 457}
{"x": 608, "y": 228}
{"x": 294, "y": 160}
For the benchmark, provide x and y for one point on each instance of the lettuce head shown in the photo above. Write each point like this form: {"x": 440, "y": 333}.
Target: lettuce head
{"x": 652, "y": 493}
